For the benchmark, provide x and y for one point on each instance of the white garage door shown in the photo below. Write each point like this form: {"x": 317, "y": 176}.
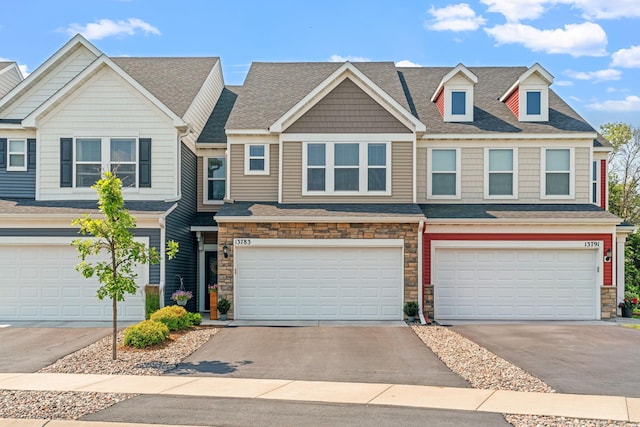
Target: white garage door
{"x": 39, "y": 282}
{"x": 319, "y": 283}
{"x": 515, "y": 284}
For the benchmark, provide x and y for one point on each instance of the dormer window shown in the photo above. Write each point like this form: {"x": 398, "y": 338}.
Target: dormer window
{"x": 458, "y": 103}
{"x": 533, "y": 102}
{"x": 528, "y": 97}
{"x": 454, "y": 95}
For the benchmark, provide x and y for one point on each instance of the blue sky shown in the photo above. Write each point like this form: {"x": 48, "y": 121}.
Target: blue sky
{"x": 592, "y": 47}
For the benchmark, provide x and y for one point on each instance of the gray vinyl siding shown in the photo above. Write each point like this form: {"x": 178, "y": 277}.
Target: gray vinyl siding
{"x": 19, "y": 184}
{"x": 178, "y": 228}
{"x": 253, "y": 188}
{"x": 152, "y": 233}
{"x": 401, "y": 178}
{"x": 347, "y": 109}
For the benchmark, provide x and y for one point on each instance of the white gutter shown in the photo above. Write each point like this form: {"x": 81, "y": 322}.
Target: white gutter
{"x": 420, "y": 286}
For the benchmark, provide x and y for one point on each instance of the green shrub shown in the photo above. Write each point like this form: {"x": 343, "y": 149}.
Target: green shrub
{"x": 152, "y": 300}
{"x": 411, "y": 308}
{"x": 223, "y": 305}
{"x": 145, "y": 334}
{"x": 193, "y": 319}
{"x": 174, "y": 316}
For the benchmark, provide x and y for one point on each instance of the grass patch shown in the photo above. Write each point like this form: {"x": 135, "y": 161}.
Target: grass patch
{"x": 628, "y": 325}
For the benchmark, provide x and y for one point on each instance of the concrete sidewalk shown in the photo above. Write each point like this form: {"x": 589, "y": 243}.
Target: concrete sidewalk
{"x": 616, "y": 408}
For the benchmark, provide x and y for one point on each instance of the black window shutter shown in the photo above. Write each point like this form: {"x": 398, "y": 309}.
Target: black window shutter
{"x": 66, "y": 162}
{"x": 145, "y": 162}
{"x": 31, "y": 153}
{"x": 3, "y": 153}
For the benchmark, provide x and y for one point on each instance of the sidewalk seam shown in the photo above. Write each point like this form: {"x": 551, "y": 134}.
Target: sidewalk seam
{"x": 485, "y": 400}
{"x": 379, "y": 394}
{"x": 175, "y": 386}
{"x": 272, "y": 390}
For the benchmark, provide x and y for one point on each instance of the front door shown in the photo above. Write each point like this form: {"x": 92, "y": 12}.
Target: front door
{"x": 210, "y": 274}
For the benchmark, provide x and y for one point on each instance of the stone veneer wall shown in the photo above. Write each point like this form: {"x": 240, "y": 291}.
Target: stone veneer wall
{"x": 608, "y": 305}
{"x": 229, "y": 231}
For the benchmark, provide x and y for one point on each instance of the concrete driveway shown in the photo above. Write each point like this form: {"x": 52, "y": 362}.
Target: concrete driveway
{"x": 29, "y": 349}
{"x": 353, "y": 354}
{"x": 581, "y": 359}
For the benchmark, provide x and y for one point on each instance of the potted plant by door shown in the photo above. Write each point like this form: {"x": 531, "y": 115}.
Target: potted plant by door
{"x": 181, "y": 296}
{"x": 213, "y": 301}
{"x": 630, "y": 302}
{"x": 223, "y": 307}
{"x": 411, "y": 310}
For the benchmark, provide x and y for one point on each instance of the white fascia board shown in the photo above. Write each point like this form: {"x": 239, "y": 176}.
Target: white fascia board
{"x": 30, "y": 120}
{"x": 11, "y": 126}
{"x": 535, "y": 68}
{"x": 509, "y": 91}
{"x": 320, "y": 219}
{"x": 44, "y": 67}
{"x": 338, "y": 76}
{"x": 506, "y": 135}
{"x": 15, "y": 67}
{"x": 458, "y": 69}
{"x": 602, "y": 149}
{"x": 259, "y": 132}
{"x": 204, "y": 227}
{"x": 503, "y": 221}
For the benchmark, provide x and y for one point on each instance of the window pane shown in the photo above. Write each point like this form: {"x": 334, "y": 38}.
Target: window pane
{"x": 87, "y": 175}
{"x": 458, "y": 102}
{"x": 16, "y": 160}
{"x": 500, "y": 160}
{"x": 316, "y": 155}
{"x": 557, "y": 160}
{"x": 443, "y": 160}
{"x": 256, "y": 164}
{"x": 16, "y": 146}
{"x": 216, "y": 168}
{"x": 346, "y": 154}
{"x": 533, "y": 103}
{"x": 88, "y": 150}
{"x": 216, "y": 190}
{"x": 594, "y": 193}
{"x": 594, "y": 172}
{"x": 123, "y": 150}
{"x": 256, "y": 150}
{"x": 346, "y": 180}
{"x": 316, "y": 179}
{"x": 126, "y": 173}
{"x": 377, "y": 154}
{"x": 377, "y": 179}
{"x": 557, "y": 184}
{"x": 443, "y": 184}
{"x": 500, "y": 184}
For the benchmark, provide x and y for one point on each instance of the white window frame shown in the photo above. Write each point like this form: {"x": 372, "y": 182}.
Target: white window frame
{"x": 24, "y": 153}
{"x": 594, "y": 182}
{"x": 205, "y": 180}
{"x": 448, "y": 104}
{"x": 430, "y": 194}
{"x": 514, "y": 174}
{"x": 248, "y": 157}
{"x": 105, "y": 158}
{"x": 544, "y": 103}
{"x": 363, "y": 169}
{"x": 543, "y": 174}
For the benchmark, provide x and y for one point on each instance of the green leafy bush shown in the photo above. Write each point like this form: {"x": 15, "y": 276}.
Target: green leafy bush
{"x": 193, "y": 319}
{"x": 174, "y": 316}
{"x": 145, "y": 334}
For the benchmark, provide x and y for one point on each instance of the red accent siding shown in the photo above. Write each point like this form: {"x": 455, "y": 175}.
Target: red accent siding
{"x": 513, "y": 102}
{"x": 603, "y": 184}
{"x": 607, "y": 239}
{"x": 440, "y": 103}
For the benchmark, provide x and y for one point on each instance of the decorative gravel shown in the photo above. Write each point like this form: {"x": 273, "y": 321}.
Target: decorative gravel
{"x": 485, "y": 370}
{"x": 96, "y": 359}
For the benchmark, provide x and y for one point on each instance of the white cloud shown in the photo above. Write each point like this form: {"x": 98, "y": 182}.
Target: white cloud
{"x": 607, "y": 9}
{"x": 600, "y": 75}
{"x": 24, "y": 69}
{"x": 350, "y": 58}
{"x": 107, "y": 28}
{"x": 627, "y": 58}
{"x": 455, "y": 17}
{"x": 563, "y": 83}
{"x": 407, "y": 63}
{"x": 515, "y": 11}
{"x": 630, "y": 104}
{"x": 587, "y": 39}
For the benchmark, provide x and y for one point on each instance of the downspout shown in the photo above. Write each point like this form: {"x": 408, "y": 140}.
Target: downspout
{"x": 423, "y": 321}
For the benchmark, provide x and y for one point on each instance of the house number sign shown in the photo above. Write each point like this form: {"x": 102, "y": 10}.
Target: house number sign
{"x": 242, "y": 242}
{"x": 594, "y": 244}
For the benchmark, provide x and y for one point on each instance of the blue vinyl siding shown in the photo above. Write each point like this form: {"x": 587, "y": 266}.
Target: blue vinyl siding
{"x": 19, "y": 184}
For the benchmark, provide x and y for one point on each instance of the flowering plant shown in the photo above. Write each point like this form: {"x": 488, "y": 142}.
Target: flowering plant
{"x": 629, "y": 303}
{"x": 181, "y": 295}
{"x": 213, "y": 288}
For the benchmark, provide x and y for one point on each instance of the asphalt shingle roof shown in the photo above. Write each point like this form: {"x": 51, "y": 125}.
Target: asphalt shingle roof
{"x": 75, "y": 207}
{"x": 175, "y": 81}
{"x": 203, "y": 219}
{"x": 266, "y": 209}
{"x": 213, "y": 131}
{"x": 514, "y": 211}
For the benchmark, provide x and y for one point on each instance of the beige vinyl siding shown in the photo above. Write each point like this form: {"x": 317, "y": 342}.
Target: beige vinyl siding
{"x": 347, "y": 109}
{"x": 254, "y": 188}
{"x": 107, "y": 106}
{"x": 8, "y": 80}
{"x": 472, "y": 174}
{"x": 583, "y": 175}
{"x": 529, "y": 175}
{"x": 50, "y": 83}
{"x": 401, "y": 178}
{"x": 202, "y": 106}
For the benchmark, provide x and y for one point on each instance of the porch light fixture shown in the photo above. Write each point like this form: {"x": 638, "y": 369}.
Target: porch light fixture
{"x": 225, "y": 251}
{"x": 607, "y": 256}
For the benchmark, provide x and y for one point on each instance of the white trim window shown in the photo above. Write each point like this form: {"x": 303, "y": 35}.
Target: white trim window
{"x": 346, "y": 168}
{"x": 256, "y": 159}
{"x": 458, "y": 103}
{"x": 501, "y": 173}
{"x": 215, "y": 177}
{"x": 443, "y": 171}
{"x": 93, "y": 155}
{"x": 534, "y": 103}
{"x": 558, "y": 173}
{"x": 594, "y": 182}
{"x": 17, "y": 155}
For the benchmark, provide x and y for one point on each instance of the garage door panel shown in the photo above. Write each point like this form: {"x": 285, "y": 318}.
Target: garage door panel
{"x": 515, "y": 284}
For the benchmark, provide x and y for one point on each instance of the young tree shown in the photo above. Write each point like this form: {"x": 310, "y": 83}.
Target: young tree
{"x": 112, "y": 236}
{"x": 624, "y": 170}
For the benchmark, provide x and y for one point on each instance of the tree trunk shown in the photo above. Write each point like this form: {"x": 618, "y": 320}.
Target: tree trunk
{"x": 114, "y": 343}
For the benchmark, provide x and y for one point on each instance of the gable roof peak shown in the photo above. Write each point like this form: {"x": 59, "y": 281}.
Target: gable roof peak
{"x": 458, "y": 69}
